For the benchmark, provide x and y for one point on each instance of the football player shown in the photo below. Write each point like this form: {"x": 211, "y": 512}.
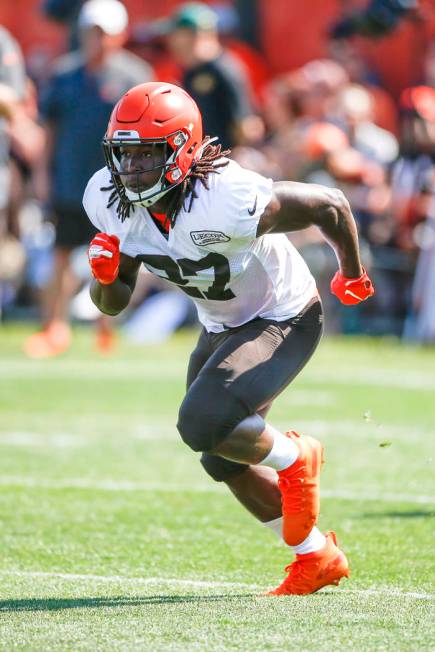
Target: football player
{"x": 171, "y": 199}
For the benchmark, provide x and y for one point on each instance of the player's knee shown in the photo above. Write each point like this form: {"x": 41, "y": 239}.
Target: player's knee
{"x": 220, "y": 469}
{"x": 191, "y": 426}
{"x": 208, "y": 415}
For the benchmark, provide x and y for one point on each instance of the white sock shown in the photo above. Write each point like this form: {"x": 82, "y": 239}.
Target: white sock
{"x": 284, "y": 451}
{"x": 314, "y": 541}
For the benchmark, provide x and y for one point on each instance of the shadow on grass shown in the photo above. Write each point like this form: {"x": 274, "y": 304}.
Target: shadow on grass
{"x": 415, "y": 513}
{"x": 57, "y": 604}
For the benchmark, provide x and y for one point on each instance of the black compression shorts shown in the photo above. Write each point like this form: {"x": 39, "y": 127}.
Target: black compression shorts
{"x": 73, "y": 227}
{"x": 239, "y": 372}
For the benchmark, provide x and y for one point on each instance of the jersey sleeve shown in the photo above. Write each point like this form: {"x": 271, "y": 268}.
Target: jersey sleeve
{"x": 244, "y": 199}
{"x": 93, "y": 204}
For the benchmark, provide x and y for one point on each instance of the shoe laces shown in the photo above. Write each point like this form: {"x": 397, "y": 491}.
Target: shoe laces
{"x": 293, "y": 486}
{"x": 297, "y": 574}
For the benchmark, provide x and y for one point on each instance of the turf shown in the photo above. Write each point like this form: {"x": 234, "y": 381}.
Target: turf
{"x": 113, "y": 538}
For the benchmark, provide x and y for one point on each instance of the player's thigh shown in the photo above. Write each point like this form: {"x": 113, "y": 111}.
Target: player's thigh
{"x": 260, "y": 359}
{"x": 218, "y": 468}
{"x": 199, "y": 356}
{"x": 249, "y": 367}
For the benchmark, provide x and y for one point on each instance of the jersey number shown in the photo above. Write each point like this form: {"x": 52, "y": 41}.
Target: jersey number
{"x": 177, "y": 270}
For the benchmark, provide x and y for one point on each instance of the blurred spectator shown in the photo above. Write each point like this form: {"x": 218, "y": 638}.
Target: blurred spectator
{"x": 65, "y": 12}
{"x": 76, "y": 107}
{"x": 345, "y": 52}
{"x": 294, "y": 103}
{"x": 27, "y": 142}
{"x": 416, "y": 162}
{"x": 378, "y": 18}
{"x": 12, "y": 91}
{"x": 421, "y": 325}
{"x": 212, "y": 76}
{"x": 429, "y": 65}
{"x": 356, "y": 110}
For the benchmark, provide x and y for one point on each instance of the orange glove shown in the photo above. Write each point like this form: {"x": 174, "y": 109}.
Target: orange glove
{"x": 103, "y": 256}
{"x": 352, "y": 290}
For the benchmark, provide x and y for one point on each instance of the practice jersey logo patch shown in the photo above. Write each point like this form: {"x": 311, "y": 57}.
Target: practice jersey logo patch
{"x": 203, "y": 238}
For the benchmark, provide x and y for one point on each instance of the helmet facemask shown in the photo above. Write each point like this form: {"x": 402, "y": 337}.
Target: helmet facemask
{"x": 129, "y": 169}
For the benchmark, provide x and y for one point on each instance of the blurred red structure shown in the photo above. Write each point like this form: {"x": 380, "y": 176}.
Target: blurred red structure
{"x": 291, "y": 34}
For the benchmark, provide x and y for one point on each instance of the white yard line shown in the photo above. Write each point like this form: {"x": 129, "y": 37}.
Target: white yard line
{"x": 145, "y": 370}
{"x": 392, "y": 592}
{"x": 370, "y": 429}
{"x": 201, "y": 584}
{"x": 27, "y": 438}
{"x": 72, "y": 577}
{"x": 373, "y": 377}
{"x": 387, "y": 497}
{"x": 164, "y": 429}
{"x": 108, "y": 485}
{"x": 113, "y": 485}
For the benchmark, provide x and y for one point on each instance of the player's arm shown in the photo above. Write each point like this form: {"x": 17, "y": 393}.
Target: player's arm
{"x": 296, "y": 206}
{"x": 114, "y": 273}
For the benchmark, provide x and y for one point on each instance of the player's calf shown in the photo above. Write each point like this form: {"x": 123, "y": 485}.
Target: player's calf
{"x": 300, "y": 490}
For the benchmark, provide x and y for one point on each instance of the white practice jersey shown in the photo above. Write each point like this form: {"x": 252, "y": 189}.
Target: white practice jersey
{"x": 212, "y": 252}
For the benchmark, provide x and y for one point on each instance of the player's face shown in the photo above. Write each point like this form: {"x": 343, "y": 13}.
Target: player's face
{"x": 141, "y": 165}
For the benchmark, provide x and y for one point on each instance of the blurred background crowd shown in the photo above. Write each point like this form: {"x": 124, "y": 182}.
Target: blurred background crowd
{"x": 337, "y": 92}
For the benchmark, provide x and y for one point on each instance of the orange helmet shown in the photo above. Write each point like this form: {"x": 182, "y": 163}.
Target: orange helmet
{"x": 160, "y": 114}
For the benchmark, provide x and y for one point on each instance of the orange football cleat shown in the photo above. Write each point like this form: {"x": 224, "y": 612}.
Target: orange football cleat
{"x": 299, "y": 486}
{"x": 105, "y": 343}
{"x": 311, "y": 572}
{"x": 105, "y": 340}
{"x": 52, "y": 341}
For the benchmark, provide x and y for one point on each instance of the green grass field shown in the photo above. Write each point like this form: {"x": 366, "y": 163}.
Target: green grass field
{"x": 113, "y": 537}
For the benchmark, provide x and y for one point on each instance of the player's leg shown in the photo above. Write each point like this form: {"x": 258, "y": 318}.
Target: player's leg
{"x": 221, "y": 411}
{"x": 256, "y": 487}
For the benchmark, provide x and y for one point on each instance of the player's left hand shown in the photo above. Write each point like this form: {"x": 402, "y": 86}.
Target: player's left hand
{"x": 351, "y": 291}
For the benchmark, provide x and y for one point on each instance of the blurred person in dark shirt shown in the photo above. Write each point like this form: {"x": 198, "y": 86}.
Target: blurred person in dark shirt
{"x": 75, "y": 106}
{"x": 212, "y": 76}
{"x": 376, "y": 19}
{"x": 65, "y": 12}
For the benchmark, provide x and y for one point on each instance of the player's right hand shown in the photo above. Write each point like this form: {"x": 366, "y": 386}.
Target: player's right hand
{"x": 103, "y": 256}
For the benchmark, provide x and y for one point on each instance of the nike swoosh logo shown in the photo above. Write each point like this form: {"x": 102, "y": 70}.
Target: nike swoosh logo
{"x": 96, "y": 251}
{"x": 251, "y": 211}
{"x": 352, "y": 294}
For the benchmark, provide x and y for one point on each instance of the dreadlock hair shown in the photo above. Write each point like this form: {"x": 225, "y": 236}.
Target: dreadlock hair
{"x": 200, "y": 171}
